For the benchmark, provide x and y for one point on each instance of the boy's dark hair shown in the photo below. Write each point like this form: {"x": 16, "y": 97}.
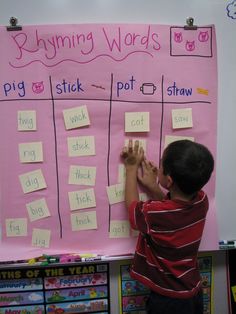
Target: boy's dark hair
{"x": 189, "y": 164}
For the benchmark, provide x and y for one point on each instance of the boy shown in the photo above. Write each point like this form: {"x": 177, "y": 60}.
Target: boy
{"x": 170, "y": 226}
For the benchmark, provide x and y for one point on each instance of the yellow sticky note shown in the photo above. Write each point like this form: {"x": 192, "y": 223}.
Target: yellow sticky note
{"x": 182, "y": 118}
{"x": 84, "y": 221}
{"x": 169, "y": 139}
{"x": 82, "y": 175}
{"x": 81, "y": 146}
{"x": 119, "y": 229}
{"x": 233, "y": 289}
{"x": 82, "y": 199}
{"x": 38, "y": 209}
{"x": 137, "y": 122}
{"x": 26, "y": 120}
{"x": 31, "y": 152}
{"x": 32, "y": 181}
{"x": 76, "y": 117}
{"x": 41, "y": 237}
{"x": 16, "y": 227}
{"x": 116, "y": 193}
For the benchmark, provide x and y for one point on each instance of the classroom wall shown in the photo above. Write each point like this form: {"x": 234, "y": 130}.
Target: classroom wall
{"x": 220, "y": 303}
{"x": 164, "y": 12}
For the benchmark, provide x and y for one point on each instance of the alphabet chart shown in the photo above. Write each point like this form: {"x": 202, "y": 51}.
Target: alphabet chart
{"x": 71, "y": 96}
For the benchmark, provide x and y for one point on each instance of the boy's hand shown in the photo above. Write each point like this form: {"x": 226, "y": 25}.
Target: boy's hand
{"x": 148, "y": 175}
{"x": 132, "y": 155}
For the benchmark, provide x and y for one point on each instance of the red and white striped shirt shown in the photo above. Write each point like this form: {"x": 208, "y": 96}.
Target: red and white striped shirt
{"x": 166, "y": 252}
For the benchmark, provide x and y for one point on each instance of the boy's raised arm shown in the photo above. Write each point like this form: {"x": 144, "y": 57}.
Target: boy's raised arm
{"x": 133, "y": 156}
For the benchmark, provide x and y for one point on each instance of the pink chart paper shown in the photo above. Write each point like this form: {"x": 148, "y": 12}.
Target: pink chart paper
{"x": 61, "y": 83}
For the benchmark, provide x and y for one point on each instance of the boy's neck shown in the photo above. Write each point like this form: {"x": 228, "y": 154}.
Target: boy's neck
{"x": 175, "y": 193}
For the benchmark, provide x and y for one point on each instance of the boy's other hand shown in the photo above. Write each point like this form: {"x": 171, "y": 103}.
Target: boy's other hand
{"x": 148, "y": 174}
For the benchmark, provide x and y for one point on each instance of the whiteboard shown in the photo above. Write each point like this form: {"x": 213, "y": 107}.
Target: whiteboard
{"x": 162, "y": 12}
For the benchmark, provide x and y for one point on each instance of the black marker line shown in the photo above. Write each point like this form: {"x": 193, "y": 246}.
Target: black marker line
{"x": 211, "y": 42}
{"x": 197, "y": 56}
{"x": 187, "y": 102}
{"x": 109, "y": 147}
{"x": 114, "y": 100}
{"x": 162, "y": 116}
{"x": 25, "y": 99}
{"x": 55, "y": 142}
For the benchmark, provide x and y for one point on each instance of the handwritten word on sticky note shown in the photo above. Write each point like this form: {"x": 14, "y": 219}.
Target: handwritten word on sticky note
{"x": 38, "y": 209}
{"x": 82, "y": 199}
{"x": 76, "y": 117}
{"x": 119, "y": 229}
{"x": 41, "y": 237}
{"x": 16, "y": 227}
{"x": 116, "y": 193}
{"x": 169, "y": 139}
{"x": 82, "y": 175}
{"x": 84, "y": 221}
{"x": 32, "y": 181}
{"x": 26, "y": 120}
{"x": 137, "y": 122}
{"x": 182, "y": 118}
{"x": 31, "y": 152}
{"x": 81, "y": 146}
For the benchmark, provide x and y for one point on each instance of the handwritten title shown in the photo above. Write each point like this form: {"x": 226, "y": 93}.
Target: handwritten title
{"x": 83, "y": 47}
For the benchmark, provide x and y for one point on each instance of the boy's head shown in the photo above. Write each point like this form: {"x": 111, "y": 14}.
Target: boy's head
{"x": 189, "y": 165}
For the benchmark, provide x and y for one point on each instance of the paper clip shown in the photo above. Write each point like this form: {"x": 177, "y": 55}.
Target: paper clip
{"x": 13, "y": 25}
{"x": 190, "y": 26}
